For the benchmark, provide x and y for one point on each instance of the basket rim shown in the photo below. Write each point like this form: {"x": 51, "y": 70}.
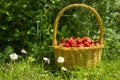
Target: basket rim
{"x": 78, "y": 48}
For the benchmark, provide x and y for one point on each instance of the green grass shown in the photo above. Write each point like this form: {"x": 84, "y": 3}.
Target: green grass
{"x": 107, "y": 70}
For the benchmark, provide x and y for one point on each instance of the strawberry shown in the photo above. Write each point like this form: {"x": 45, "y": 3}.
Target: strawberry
{"x": 80, "y": 45}
{"x": 73, "y": 37}
{"x": 90, "y": 41}
{"x": 92, "y": 44}
{"x": 79, "y": 40}
{"x": 66, "y": 45}
{"x": 85, "y": 38}
{"x": 67, "y": 40}
{"x": 87, "y": 44}
{"x": 62, "y": 40}
{"x": 96, "y": 42}
{"x": 73, "y": 44}
{"x": 60, "y": 44}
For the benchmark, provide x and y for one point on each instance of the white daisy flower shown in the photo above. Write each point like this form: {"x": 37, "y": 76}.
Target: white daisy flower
{"x": 63, "y": 69}
{"x": 60, "y": 59}
{"x": 13, "y": 56}
{"x": 46, "y": 60}
{"x": 23, "y": 51}
{"x": 12, "y": 69}
{"x": 118, "y": 50}
{"x": 85, "y": 79}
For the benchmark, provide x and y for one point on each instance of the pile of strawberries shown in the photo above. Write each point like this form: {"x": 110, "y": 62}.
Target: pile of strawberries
{"x": 77, "y": 42}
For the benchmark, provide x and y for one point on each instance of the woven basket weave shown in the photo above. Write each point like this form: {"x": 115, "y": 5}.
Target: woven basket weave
{"x": 74, "y": 56}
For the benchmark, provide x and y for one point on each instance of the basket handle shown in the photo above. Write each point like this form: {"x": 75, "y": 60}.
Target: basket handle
{"x": 54, "y": 42}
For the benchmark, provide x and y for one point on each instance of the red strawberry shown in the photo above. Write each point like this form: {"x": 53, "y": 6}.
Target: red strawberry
{"x": 96, "y": 43}
{"x": 62, "y": 40}
{"x": 66, "y": 45}
{"x": 86, "y": 43}
{"x": 85, "y": 38}
{"x": 73, "y": 44}
{"x": 90, "y": 41}
{"x": 73, "y": 37}
{"x": 80, "y": 45}
{"x": 92, "y": 44}
{"x": 67, "y": 40}
{"x": 60, "y": 44}
{"x": 79, "y": 40}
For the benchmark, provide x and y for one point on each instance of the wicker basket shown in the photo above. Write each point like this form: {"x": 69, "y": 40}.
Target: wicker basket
{"x": 82, "y": 56}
